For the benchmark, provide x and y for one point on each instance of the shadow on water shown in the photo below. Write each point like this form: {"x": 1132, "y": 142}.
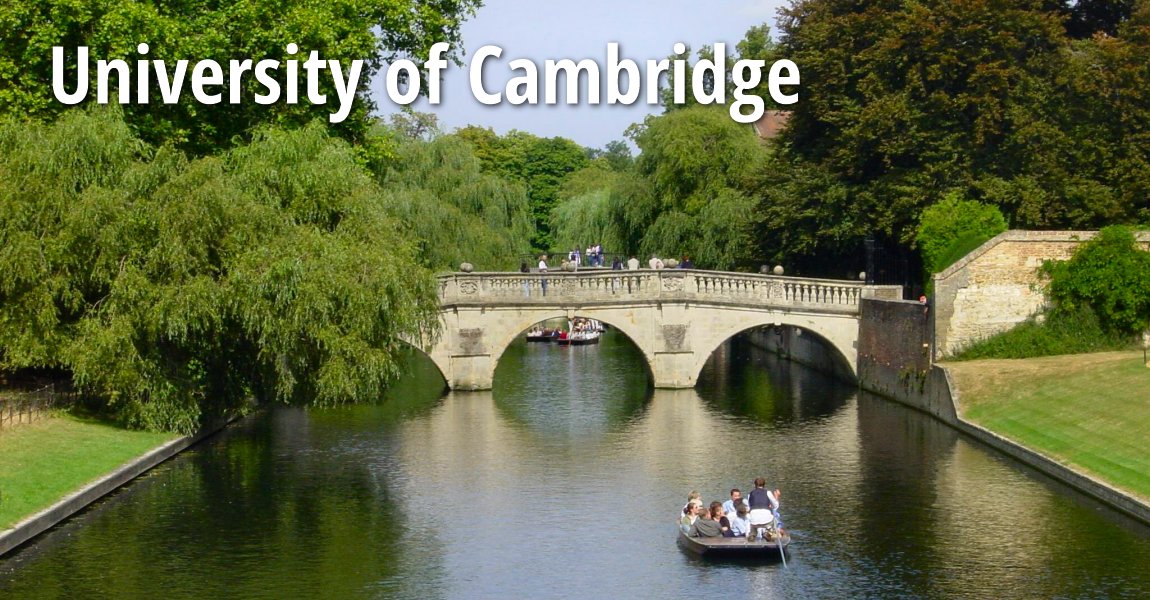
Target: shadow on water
{"x": 419, "y": 388}
{"x": 744, "y": 381}
{"x": 572, "y": 391}
{"x": 304, "y": 493}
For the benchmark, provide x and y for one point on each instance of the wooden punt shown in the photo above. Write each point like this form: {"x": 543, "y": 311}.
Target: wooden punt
{"x": 733, "y": 547}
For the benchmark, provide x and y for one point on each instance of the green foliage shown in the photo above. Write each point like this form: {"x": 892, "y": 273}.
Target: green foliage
{"x": 539, "y": 164}
{"x": 457, "y": 212}
{"x": 905, "y": 102}
{"x": 375, "y": 31}
{"x": 688, "y": 193}
{"x": 957, "y": 250}
{"x": 588, "y": 209}
{"x": 176, "y": 290}
{"x": 955, "y": 225}
{"x": 587, "y": 219}
{"x": 1075, "y": 332}
{"x": 1109, "y": 275}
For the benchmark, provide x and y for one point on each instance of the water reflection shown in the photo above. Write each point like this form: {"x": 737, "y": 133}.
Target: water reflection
{"x": 572, "y": 391}
{"x": 562, "y": 486}
{"x": 743, "y": 380}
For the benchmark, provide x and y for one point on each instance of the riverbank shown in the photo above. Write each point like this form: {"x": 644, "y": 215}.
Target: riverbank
{"x": 1085, "y": 412}
{"x": 76, "y": 461}
{"x": 42, "y": 462}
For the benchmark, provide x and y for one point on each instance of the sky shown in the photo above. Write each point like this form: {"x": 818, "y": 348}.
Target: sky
{"x": 538, "y": 30}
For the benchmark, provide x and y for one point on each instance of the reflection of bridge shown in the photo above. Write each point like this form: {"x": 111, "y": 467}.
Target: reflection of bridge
{"x": 676, "y": 317}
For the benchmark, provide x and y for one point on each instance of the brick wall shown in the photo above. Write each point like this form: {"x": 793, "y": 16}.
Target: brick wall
{"x": 997, "y": 286}
{"x": 894, "y": 356}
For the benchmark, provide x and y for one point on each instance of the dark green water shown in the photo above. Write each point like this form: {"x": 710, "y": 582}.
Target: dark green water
{"x": 565, "y": 481}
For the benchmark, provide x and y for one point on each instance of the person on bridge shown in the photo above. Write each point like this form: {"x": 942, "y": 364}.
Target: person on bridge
{"x": 617, "y": 264}
{"x": 655, "y": 262}
{"x": 543, "y": 269}
{"x": 632, "y": 264}
{"x": 686, "y": 263}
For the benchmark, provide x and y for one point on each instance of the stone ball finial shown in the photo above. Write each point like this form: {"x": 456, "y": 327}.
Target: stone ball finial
{"x": 862, "y": 275}
{"x": 670, "y": 263}
{"x": 778, "y": 270}
{"x": 466, "y": 267}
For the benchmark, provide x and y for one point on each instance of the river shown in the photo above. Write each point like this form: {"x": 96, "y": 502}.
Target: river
{"x": 565, "y": 481}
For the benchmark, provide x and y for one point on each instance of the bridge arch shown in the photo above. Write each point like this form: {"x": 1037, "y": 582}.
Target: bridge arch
{"x": 517, "y": 327}
{"x": 799, "y": 336}
{"x": 473, "y": 339}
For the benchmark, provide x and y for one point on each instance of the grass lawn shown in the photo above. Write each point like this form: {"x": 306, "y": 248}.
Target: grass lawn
{"x": 44, "y": 461}
{"x": 1089, "y": 411}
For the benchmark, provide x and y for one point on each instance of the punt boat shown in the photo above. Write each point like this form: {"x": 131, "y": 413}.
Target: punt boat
{"x": 733, "y": 547}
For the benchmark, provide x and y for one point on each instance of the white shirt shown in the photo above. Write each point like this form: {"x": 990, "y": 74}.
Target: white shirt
{"x": 543, "y": 266}
{"x": 655, "y": 263}
{"x": 633, "y": 263}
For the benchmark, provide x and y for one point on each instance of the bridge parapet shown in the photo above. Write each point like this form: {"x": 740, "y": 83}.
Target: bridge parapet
{"x": 664, "y": 285}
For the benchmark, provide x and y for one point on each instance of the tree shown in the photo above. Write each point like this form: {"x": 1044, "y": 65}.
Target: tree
{"x": 616, "y": 154}
{"x": 540, "y": 164}
{"x": 905, "y": 102}
{"x": 413, "y": 124}
{"x": 588, "y": 211}
{"x": 950, "y": 229}
{"x": 453, "y": 210}
{"x": 177, "y": 289}
{"x": 1088, "y": 17}
{"x": 376, "y": 31}
{"x": 688, "y": 194}
{"x": 1108, "y": 274}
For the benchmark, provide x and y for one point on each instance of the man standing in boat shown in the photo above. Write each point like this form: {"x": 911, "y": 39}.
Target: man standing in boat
{"x": 763, "y": 505}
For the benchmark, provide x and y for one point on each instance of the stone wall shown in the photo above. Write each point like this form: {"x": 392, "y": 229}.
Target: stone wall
{"x": 894, "y": 357}
{"x": 804, "y": 347}
{"x": 997, "y": 286}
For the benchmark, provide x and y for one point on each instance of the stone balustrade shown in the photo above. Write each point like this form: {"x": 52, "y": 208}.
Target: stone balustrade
{"x": 669, "y": 285}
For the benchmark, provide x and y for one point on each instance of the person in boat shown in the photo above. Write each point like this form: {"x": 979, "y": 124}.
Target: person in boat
{"x": 695, "y": 497}
{"x": 690, "y": 514}
{"x": 762, "y": 507}
{"x": 740, "y": 524}
{"x": 729, "y": 505}
{"x": 707, "y": 525}
{"x": 720, "y": 515}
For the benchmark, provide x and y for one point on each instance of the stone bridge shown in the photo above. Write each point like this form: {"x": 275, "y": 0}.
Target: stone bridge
{"x": 677, "y": 317}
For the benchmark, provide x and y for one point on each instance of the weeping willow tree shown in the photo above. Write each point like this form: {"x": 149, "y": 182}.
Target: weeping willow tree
{"x": 688, "y": 193}
{"x": 455, "y": 211}
{"x": 174, "y": 290}
{"x": 588, "y": 211}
